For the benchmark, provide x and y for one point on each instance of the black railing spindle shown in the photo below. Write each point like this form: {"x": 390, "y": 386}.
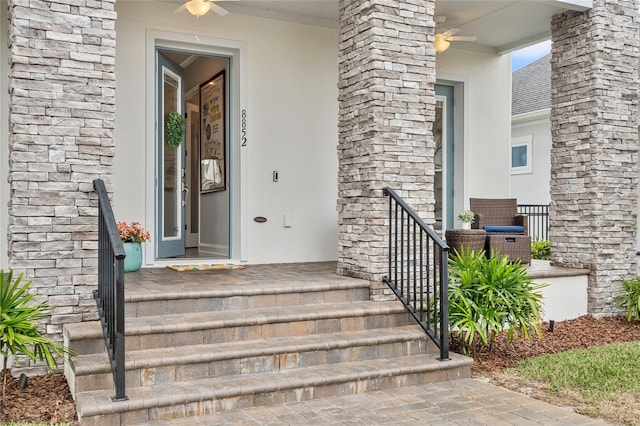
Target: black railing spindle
{"x": 419, "y": 280}
{"x": 538, "y": 220}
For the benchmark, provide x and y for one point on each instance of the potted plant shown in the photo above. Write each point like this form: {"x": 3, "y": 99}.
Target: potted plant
{"x": 132, "y": 235}
{"x": 466, "y": 217}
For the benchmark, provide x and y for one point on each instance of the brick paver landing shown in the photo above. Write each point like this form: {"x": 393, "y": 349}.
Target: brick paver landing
{"x": 456, "y": 402}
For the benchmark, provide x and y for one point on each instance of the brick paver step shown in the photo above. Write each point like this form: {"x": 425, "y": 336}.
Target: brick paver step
{"x": 166, "y": 365}
{"x": 161, "y": 300}
{"x": 204, "y": 343}
{"x": 217, "y": 327}
{"x": 212, "y": 395}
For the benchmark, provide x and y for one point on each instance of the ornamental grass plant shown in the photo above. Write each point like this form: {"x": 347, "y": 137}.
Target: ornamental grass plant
{"x": 488, "y": 296}
{"x": 19, "y": 327}
{"x": 630, "y": 298}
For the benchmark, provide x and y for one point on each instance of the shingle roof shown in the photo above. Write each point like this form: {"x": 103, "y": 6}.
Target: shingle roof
{"x": 531, "y": 87}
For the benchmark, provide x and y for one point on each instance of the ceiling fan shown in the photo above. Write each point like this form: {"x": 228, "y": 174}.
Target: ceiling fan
{"x": 200, "y": 7}
{"x": 444, "y": 39}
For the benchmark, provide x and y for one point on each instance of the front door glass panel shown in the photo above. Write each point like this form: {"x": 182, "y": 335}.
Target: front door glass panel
{"x": 172, "y": 166}
{"x": 170, "y": 185}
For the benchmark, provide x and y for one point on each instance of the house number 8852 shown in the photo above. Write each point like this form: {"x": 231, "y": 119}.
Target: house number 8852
{"x": 244, "y": 127}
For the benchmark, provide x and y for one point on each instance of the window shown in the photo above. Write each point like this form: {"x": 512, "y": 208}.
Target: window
{"x": 521, "y": 155}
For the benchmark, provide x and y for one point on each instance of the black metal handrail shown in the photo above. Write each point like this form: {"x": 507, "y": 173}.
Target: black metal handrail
{"x": 538, "y": 220}
{"x": 418, "y": 272}
{"x": 110, "y": 293}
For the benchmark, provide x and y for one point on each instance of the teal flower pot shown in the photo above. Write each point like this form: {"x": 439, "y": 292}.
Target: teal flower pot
{"x": 133, "y": 256}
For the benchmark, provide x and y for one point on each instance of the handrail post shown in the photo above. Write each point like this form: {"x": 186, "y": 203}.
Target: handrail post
{"x": 119, "y": 373}
{"x": 444, "y": 304}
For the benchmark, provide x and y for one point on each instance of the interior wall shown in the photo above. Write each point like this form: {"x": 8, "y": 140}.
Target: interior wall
{"x": 291, "y": 126}
{"x": 4, "y": 136}
{"x": 214, "y": 206}
{"x": 487, "y": 107}
{"x": 202, "y": 69}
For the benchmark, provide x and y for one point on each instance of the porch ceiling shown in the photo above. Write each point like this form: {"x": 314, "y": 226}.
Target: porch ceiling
{"x": 501, "y": 26}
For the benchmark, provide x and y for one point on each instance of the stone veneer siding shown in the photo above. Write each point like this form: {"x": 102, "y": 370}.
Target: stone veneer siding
{"x": 594, "y": 156}
{"x": 386, "y": 110}
{"x": 61, "y": 120}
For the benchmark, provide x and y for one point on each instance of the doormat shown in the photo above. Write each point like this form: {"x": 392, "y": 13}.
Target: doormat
{"x": 205, "y": 267}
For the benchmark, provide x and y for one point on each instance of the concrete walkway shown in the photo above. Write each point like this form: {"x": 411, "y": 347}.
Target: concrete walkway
{"x": 457, "y": 402}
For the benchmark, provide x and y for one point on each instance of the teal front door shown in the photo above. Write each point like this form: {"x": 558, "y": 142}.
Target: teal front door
{"x": 170, "y": 168}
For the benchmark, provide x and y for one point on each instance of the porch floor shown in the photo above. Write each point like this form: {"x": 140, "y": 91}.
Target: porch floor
{"x": 269, "y": 276}
{"x": 148, "y": 281}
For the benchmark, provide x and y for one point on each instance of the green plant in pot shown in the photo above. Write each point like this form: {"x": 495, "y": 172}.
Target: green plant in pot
{"x": 541, "y": 249}
{"x": 175, "y": 130}
{"x": 132, "y": 236}
{"x": 466, "y": 217}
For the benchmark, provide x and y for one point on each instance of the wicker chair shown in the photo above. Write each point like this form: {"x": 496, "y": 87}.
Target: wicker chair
{"x": 496, "y": 213}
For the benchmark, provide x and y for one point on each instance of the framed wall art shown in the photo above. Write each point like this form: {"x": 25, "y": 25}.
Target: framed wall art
{"x": 213, "y": 171}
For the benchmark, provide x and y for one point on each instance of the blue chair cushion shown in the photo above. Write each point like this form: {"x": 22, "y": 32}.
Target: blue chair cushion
{"x": 505, "y": 229}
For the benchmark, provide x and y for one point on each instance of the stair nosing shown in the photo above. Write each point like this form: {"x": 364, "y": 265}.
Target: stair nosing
{"x": 194, "y": 321}
{"x": 245, "y": 290}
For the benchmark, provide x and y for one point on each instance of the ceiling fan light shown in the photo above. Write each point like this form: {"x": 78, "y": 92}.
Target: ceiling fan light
{"x": 197, "y": 7}
{"x": 440, "y": 44}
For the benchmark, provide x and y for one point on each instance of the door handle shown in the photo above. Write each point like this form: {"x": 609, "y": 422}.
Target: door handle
{"x": 184, "y": 200}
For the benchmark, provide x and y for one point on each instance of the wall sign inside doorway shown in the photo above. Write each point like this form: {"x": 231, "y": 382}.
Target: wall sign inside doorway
{"x": 213, "y": 134}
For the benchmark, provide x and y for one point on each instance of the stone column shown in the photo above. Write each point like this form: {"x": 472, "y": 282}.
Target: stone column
{"x": 594, "y": 156}
{"x": 61, "y": 119}
{"x": 387, "y": 107}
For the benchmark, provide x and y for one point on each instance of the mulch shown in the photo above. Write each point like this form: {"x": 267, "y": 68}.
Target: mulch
{"x": 47, "y": 398}
{"x": 582, "y": 332}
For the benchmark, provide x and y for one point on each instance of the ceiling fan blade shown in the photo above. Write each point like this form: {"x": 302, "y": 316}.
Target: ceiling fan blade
{"x": 450, "y": 32}
{"x": 180, "y": 9}
{"x": 462, "y": 38}
{"x": 217, "y": 9}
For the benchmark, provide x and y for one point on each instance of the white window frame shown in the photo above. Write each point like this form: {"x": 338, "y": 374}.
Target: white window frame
{"x": 518, "y": 142}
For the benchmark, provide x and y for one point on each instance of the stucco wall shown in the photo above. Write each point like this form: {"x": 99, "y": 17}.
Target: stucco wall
{"x": 533, "y": 188}
{"x": 291, "y": 123}
{"x": 487, "y": 110}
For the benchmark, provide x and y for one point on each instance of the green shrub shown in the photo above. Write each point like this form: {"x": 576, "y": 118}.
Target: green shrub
{"x": 630, "y": 299}
{"x": 541, "y": 249}
{"x": 19, "y": 333}
{"x": 489, "y": 296}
